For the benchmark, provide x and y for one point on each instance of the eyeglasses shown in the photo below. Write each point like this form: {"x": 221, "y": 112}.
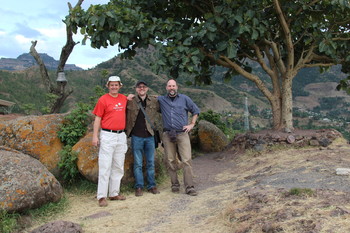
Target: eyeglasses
{"x": 142, "y": 87}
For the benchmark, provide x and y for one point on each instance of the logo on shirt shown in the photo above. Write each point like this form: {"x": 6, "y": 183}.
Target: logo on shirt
{"x": 118, "y": 107}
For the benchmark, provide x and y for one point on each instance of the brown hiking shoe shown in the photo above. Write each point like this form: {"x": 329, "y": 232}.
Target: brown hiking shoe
{"x": 102, "y": 202}
{"x": 191, "y": 191}
{"x": 138, "y": 192}
{"x": 153, "y": 190}
{"x": 117, "y": 198}
{"x": 175, "y": 189}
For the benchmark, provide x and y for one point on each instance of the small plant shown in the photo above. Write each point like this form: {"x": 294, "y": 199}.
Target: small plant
{"x": 68, "y": 164}
{"x": 301, "y": 192}
{"x": 50, "y": 100}
{"x": 74, "y": 125}
{"x": 8, "y": 222}
{"x": 28, "y": 108}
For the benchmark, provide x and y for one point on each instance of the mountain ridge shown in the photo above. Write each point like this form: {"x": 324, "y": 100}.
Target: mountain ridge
{"x": 26, "y": 60}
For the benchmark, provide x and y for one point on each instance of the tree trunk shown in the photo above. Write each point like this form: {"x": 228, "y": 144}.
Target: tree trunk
{"x": 276, "y": 107}
{"x": 287, "y": 104}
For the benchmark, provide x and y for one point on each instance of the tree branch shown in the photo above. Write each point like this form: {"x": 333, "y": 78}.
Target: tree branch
{"x": 68, "y": 47}
{"x": 277, "y": 56}
{"x": 43, "y": 71}
{"x": 287, "y": 35}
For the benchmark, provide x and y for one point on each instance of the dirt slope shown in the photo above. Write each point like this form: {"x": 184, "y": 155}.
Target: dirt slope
{"x": 237, "y": 193}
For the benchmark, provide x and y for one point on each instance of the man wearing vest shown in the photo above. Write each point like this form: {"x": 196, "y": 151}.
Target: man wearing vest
{"x": 141, "y": 132}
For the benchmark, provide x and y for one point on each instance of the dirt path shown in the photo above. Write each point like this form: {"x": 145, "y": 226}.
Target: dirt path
{"x": 245, "y": 193}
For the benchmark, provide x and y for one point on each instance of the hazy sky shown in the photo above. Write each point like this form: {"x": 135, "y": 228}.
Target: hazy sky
{"x": 23, "y": 21}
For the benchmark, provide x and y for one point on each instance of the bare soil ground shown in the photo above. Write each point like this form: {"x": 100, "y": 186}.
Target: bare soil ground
{"x": 239, "y": 193}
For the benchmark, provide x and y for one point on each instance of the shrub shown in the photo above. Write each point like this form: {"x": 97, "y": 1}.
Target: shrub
{"x": 68, "y": 164}
{"x": 74, "y": 125}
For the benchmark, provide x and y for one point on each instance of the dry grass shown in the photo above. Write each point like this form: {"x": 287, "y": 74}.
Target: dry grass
{"x": 247, "y": 193}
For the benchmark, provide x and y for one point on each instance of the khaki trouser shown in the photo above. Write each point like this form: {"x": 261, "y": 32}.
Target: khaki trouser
{"x": 183, "y": 148}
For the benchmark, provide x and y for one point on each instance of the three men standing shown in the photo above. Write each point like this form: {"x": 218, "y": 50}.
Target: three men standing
{"x": 112, "y": 118}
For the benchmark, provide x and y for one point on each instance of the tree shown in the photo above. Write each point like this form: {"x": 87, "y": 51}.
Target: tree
{"x": 194, "y": 36}
{"x": 57, "y": 92}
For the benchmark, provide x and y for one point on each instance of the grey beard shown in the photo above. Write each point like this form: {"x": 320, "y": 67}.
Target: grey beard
{"x": 172, "y": 95}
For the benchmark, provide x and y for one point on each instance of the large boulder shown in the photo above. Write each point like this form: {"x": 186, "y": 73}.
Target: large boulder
{"x": 87, "y": 158}
{"x": 35, "y": 136}
{"x": 25, "y": 183}
{"x": 210, "y": 137}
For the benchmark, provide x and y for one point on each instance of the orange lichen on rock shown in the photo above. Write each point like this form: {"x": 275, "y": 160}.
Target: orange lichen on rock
{"x": 20, "y": 191}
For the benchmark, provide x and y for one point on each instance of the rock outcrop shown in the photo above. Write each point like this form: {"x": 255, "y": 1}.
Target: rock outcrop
{"x": 210, "y": 137}
{"x": 35, "y": 136}
{"x": 59, "y": 226}
{"x": 25, "y": 183}
{"x": 259, "y": 141}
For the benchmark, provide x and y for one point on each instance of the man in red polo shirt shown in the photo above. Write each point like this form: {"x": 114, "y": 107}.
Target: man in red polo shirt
{"x": 110, "y": 121}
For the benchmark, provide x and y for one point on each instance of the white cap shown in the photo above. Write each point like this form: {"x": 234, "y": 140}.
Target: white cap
{"x": 114, "y": 79}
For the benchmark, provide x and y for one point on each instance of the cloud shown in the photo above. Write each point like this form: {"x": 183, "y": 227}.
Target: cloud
{"x": 39, "y": 20}
{"x": 26, "y": 31}
{"x": 20, "y": 39}
{"x": 59, "y": 32}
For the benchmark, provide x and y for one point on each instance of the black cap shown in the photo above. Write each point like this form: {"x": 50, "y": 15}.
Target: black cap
{"x": 139, "y": 82}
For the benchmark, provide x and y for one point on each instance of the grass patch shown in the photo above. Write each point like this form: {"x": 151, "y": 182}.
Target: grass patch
{"x": 300, "y": 192}
{"x": 8, "y": 221}
{"x": 81, "y": 187}
{"x": 48, "y": 211}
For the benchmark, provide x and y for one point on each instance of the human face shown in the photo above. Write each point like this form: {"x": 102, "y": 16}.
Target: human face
{"x": 171, "y": 88}
{"x": 114, "y": 87}
{"x": 142, "y": 90}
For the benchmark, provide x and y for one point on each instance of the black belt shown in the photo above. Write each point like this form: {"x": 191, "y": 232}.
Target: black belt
{"x": 114, "y": 131}
{"x": 177, "y": 131}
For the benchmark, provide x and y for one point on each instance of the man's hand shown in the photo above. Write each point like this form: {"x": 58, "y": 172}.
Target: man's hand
{"x": 130, "y": 96}
{"x": 95, "y": 141}
{"x": 188, "y": 128}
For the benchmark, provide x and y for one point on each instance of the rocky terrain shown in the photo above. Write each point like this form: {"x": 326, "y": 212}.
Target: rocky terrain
{"x": 278, "y": 189}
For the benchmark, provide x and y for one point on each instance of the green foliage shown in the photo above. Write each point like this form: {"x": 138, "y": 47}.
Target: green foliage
{"x": 68, "y": 164}
{"x": 74, "y": 125}
{"x": 28, "y": 108}
{"x": 50, "y": 100}
{"x": 301, "y": 192}
{"x": 216, "y": 119}
{"x": 193, "y": 38}
{"x": 344, "y": 85}
{"x": 8, "y": 222}
{"x": 72, "y": 129}
{"x": 99, "y": 91}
